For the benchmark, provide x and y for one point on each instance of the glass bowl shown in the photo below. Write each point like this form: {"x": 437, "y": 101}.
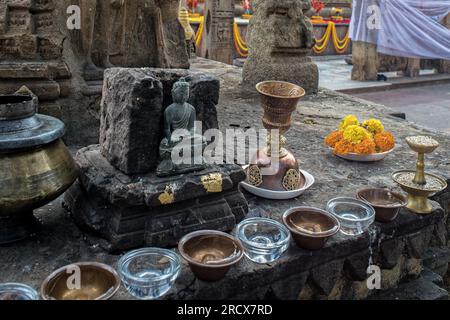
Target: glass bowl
{"x": 264, "y": 240}
{"x": 355, "y": 216}
{"x": 149, "y": 273}
{"x": 17, "y": 292}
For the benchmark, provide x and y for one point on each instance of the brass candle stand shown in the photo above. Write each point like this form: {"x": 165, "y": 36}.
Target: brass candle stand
{"x": 419, "y": 184}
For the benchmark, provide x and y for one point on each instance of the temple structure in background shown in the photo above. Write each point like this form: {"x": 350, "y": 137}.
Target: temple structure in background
{"x": 64, "y": 66}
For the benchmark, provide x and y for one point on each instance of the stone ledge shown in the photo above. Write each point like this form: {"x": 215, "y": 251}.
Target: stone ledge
{"x": 336, "y": 272}
{"x": 99, "y": 177}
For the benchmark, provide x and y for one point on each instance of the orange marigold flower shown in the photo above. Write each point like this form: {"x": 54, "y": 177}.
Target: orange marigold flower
{"x": 334, "y": 138}
{"x": 367, "y": 146}
{"x": 344, "y": 147}
{"x": 384, "y": 141}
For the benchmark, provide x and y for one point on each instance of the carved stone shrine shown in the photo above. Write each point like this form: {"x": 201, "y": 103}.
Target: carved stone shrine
{"x": 41, "y": 47}
{"x": 218, "y": 33}
{"x": 119, "y": 194}
{"x": 280, "y": 39}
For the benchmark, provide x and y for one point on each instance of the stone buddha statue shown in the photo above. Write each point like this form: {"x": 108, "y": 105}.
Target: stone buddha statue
{"x": 181, "y": 149}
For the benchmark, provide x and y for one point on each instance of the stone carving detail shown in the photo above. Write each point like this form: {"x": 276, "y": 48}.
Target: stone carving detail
{"x": 27, "y": 31}
{"x": 39, "y": 51}
{"x": 179, "y": 132}
{"x": 120, "y": 193}
{"x": 280, "y": 38}
{"x": 131, "y": 33}
{"x": 218, "y": 35}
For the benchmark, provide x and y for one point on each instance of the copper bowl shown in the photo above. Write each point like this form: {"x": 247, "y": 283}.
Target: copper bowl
{"x": 310, "y": 227}
{"x": 98, "y": 282}
{"x": 211, "y": 254}
{"x": 387, "y": 204}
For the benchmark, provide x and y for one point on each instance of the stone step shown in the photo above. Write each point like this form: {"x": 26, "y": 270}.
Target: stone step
{"x": 437, "y": 259}
{"x": 419, "y": 289}
{"x": 433, "y": 277}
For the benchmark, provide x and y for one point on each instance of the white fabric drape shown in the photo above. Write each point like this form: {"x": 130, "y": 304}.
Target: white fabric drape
{"x": 405, "y": 28}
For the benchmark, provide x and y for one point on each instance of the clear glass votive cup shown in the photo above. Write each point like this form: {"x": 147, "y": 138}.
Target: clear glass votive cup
{"x": 264, "y": 240}
{"x": 149, "y": 273}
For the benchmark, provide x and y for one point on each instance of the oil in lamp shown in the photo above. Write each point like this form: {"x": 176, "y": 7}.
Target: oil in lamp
{"x": 420, "y": 184}
{"x": 274, "y": 167}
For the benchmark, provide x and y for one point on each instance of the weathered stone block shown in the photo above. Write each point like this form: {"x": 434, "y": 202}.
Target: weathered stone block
{"x": 391, "y": 251}
{"x": 437, "y": 259}
{"x": 132, "y": 108}
{"x": 146, "y": 210}
{"x": 431, "y": 276}
{"x": 356, "y": 266}
{"x": 289, "y": 288}
{"x": 418, "y": 243}
{"x": 279, "y": 45}
{"x": 420, "y": 289}
{"x": 325, "y": 277}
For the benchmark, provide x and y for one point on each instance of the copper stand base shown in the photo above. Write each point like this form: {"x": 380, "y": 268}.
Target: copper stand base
{"x": 17, "y": 227}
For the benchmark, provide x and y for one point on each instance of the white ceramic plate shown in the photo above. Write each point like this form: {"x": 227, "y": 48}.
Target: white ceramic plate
{"x": 364, "y": 157}
{"x": 280, "y": 195}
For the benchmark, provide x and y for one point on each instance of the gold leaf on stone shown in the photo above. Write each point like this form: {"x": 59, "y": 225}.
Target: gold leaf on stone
{"x": 167, "y": 197}
{"x": 213, "y": 183}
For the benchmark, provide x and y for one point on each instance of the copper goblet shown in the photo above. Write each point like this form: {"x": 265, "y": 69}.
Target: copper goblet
{"x": 279, "y": 100}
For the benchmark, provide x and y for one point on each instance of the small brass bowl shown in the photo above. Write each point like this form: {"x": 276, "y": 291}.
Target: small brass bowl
{"x": 310, "y": 227}
{"x": 211, "y": 254}
{"x": 387, "y": 204}
{"x": 98, "y": 282}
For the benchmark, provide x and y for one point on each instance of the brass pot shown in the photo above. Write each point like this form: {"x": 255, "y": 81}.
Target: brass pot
{"x": 35, "y": 165}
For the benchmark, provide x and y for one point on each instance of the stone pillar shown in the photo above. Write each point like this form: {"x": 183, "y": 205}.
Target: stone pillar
{"x": 445, "y": 64}
{"x": 413, "y": 68}
{"x": 31, "y": 52}
{"x": 218, "y": 33}
{"x": 279, "y": 45}
{"x": 365, "y": 61}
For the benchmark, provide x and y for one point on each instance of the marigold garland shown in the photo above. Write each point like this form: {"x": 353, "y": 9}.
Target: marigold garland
{"x": 367, "y": 138}
{"x": 241, "y": 46}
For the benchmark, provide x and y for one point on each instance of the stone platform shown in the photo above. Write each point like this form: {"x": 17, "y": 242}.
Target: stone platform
{"x": 144, "y": 210}
{"x": 401, "y": 249}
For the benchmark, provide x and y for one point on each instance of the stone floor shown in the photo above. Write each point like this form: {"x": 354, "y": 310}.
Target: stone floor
{"x": 428, "y": 105}
{"x": 424, "y": 100}
{"x": 60, "y": 242}
{"x": 335, "y": 74}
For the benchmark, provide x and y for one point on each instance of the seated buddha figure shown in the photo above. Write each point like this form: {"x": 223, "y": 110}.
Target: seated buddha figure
{"x": 181, "y": 148}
